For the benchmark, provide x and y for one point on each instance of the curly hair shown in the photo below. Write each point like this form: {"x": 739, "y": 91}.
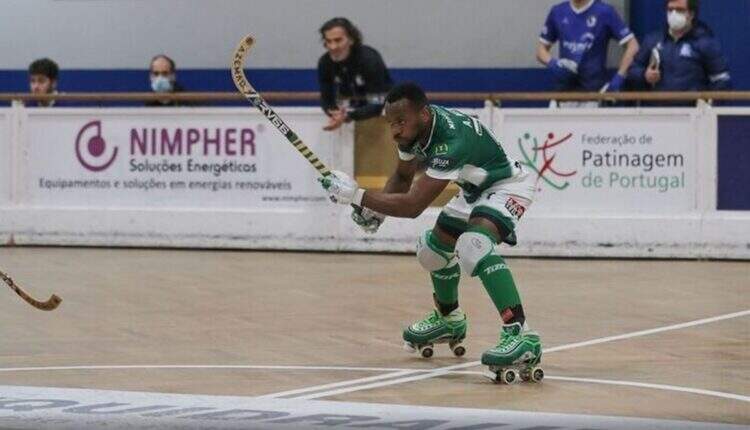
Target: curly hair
{"x": 46, "y": 67}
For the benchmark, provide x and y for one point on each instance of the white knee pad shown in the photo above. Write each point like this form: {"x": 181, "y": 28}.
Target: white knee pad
{"x": 471, "y": 248}
{"x": 430, "y": 257}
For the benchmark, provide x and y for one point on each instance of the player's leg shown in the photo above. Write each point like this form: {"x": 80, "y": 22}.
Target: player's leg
{"x": 436, "y": 254}
{"x": 518, "y": 347}
{"x": 493, "y": 220}
{"x": 445, "y": 278}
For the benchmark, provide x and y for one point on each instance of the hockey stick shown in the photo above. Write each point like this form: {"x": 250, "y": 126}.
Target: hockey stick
{"x": 49, "y": 305}
{"x": 242, "y": 84}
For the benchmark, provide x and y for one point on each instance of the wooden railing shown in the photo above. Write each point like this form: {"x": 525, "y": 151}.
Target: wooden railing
{"x": 205, "y": 97}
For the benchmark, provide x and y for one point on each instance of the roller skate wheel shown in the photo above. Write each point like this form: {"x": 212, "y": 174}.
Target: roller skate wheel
{"x": 409, "y": 347}
{"x": 426, "y": 351}
{"x": 537, "y": 374}
{"x": 458, "y": 349}
{"x": 526, "y": 375}
{"x": 510, "y": 376}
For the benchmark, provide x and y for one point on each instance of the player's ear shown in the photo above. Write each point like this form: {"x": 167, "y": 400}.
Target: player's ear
{"x": 424, "y": 113}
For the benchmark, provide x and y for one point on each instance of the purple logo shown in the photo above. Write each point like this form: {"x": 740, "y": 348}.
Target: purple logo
{"x": 90, "y": 147}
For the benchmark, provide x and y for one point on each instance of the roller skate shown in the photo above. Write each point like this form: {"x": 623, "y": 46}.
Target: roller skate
{"x": 435, "y": 328}
{"x": 516, "y": 358}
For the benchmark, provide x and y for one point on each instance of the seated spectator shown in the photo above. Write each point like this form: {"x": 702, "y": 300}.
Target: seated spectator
{"x": 584, "y": 29}
{"x": 43, "y": 79}
{"x": 353, "y": 78}
{"x": 685, "y": 56}
{"x": 163, "y": 74}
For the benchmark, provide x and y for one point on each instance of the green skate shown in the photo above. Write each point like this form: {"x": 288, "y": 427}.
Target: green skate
{"x": 435, "y": 328}
{"x": 516, "y": 358}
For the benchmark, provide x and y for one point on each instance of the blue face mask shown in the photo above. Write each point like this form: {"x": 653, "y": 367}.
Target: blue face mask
{"x": 161, "y": 84}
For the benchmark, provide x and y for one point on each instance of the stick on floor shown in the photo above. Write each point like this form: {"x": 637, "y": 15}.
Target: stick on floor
{"x": 49, "y": 305}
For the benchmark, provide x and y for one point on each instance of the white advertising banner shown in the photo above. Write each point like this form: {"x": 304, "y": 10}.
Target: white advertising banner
{"x": 608, "y": 162}
{"x": 6, "y": 152}
{"x": 163, "y": 158}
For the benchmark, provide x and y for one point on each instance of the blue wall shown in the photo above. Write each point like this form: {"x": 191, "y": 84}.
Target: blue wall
{"x": 535, "y": 79}
{"x": 734, "y": 159}
{"x": 473, "y": 80}
{"x": 729, "y": 19}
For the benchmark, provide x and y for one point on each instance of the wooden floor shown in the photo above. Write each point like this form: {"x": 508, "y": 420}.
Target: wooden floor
{"x": 208, "y": 308}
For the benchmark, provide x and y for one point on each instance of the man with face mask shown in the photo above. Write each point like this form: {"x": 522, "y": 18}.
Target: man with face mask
{"x": 353, "y": 78}
{"x": 684, "y": 57}
{"x": 163, "y": 80}
{"x": 43, "y": 79}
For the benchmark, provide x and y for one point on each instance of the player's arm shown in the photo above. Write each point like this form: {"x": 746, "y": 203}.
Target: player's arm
{"x": 408, "y": 204}
{"x": 625, "y": 37}
{"x": 631, "y": 49}
{"x": 543, "y": 53}
{"x": 400, "y": 181}
{"x": 547, "y": 38}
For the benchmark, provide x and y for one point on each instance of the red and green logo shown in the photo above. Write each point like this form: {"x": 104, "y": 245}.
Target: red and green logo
{"x": 541, "y": 159}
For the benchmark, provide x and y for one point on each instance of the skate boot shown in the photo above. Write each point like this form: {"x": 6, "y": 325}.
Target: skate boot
{"x": 436, "y": 328}
{"x": 516, "y": 358}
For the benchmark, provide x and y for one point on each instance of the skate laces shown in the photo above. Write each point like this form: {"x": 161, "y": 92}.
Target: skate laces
{"x": 431, "y": 320}
{"x": 508, "y": 340}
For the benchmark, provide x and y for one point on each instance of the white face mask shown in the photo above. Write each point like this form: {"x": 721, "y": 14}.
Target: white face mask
{"x": 677, "y": 20}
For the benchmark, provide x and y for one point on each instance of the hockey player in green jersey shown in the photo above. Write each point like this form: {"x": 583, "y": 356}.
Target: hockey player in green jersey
{"x": 495, "y": 193}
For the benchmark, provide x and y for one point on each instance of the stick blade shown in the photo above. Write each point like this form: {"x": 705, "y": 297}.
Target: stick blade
{"x": 51, "y": 304}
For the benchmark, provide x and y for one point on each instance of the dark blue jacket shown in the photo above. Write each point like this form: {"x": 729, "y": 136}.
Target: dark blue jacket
{"x": 692, "y": 63}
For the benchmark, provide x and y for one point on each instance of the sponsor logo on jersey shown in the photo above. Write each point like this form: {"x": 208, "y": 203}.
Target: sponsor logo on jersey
{"x": 440, "y": 163}
{"x": 516, "y": 209}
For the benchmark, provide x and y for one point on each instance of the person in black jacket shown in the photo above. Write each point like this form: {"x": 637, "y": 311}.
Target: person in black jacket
{"x": 353, "y": 77}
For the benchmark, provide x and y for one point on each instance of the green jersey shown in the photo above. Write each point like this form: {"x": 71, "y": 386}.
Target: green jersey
{"x": 463, "y": 150}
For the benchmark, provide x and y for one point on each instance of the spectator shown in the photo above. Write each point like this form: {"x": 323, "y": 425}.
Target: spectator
{"x": 163, "y": 75}
{"x": 584, "y": 28}
{"x": 43, "y": 79}
{"x": 685, "y": 56}
{"x": 350, "y": 70}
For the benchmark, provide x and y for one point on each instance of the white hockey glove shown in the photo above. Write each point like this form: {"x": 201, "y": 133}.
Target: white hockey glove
{"x": 342, "y": 189}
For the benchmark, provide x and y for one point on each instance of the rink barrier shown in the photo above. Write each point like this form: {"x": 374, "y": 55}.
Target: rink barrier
{"x": 60, "y": 166}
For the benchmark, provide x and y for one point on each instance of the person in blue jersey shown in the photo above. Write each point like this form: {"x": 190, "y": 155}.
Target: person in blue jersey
{"x": 685, "y": 56}
{"x": 583, "y": 29}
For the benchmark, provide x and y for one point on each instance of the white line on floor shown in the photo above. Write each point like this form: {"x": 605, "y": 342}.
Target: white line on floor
{"x": 444, "y": 370}
{"x": 209, "y": 366}
{"x": 340, "y": 384}
{"x": 721, "y": 394}
{"x": 379, "y": 369}
{"x": 655, "y": 386}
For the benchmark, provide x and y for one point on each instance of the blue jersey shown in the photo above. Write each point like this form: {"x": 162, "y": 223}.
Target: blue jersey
{"x": 584, "y": 36}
